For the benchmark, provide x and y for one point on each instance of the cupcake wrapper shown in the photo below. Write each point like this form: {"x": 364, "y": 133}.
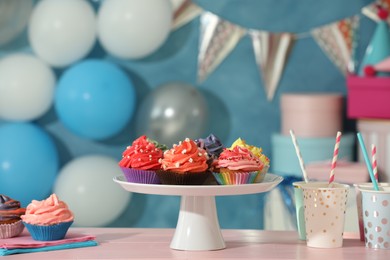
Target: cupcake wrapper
{"x": 11, "y": 230}
{"x": 235, "y": 178}
{"x": 189, "y": 178}
{"x": 261, "y": 175}
{"x": 140, "y": 176}
{"x": 48, "y": 233}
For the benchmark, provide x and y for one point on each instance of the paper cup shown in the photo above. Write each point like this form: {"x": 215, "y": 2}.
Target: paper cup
{"x": 359, "y": 204}
{"x": 376, "y": 216}
{"x": 325, "y": 207}
{"x": 299, "y": 209}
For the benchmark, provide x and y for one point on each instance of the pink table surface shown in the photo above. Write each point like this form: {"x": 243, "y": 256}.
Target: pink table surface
{"x": 136, "y": 243}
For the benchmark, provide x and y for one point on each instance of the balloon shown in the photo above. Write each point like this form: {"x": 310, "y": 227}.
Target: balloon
{"x": 62, "y": 32}
{"x": 14, "y": 15}
{"x": 95, "y": 99}
{"x": 26, "y": 87}
{"x": 86, "y": 184}
{"x": 28, "y": 162}
{"x": 171, "y": 113}
{"x": 134, "y": 28}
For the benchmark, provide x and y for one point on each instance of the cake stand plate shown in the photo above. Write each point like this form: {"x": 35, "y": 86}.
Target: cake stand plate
{"x": 197, "y": 226}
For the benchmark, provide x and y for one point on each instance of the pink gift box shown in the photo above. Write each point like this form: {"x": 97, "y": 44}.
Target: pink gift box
{"x": 311, "y": 114}
{"x": 345, "y": 172}
{"x": 368, "y": 97}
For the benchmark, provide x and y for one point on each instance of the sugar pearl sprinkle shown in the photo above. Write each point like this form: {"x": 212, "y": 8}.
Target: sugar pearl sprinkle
{"x": 184, "y": 151}
{"x": 177, "y": 165}
{"x": 191, "y": 160}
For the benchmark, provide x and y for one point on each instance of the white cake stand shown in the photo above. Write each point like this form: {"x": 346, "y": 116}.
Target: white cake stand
{"x": 197, "y": 226}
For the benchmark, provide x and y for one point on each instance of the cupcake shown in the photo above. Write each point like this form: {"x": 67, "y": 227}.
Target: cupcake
{"x": 237, "y": 166}
{"x": 184, "y": 164}
{"x": 258, "y": 152}
{"x": 10, "y": 222}
{"x": 48, "y": 219}
{"x": 141, "y": 160}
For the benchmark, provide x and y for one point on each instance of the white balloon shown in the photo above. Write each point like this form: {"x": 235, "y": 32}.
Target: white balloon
{"x": 86, "y": 185}
{"x": 26, "y": 87}
{"x": 14, "y": 15}
{"x": 62, "y": 32}
{"x": 134, "y": 28}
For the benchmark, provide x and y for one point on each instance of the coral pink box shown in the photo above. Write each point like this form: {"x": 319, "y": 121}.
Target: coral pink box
{"x": 368, "y": 97}
{"x": 311, "y": 114}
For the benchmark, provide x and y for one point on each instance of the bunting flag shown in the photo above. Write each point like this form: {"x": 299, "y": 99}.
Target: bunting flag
{"x": 271, "y": 52}
{"x": 184, "y": 12}
{"x": 371, "y": 10}
{"x": 217, "y": 39}
{"x": 338, "y": 40}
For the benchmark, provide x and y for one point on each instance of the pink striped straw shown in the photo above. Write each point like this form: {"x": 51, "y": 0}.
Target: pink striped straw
{"x": 374, "y": 164}
{"x": 335, "y": 154}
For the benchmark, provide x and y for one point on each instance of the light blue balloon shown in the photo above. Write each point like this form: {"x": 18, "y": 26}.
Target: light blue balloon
{"x": 95, "y": 99}
{"x": 378, "y": 49}
{"x": 28, "y": 162}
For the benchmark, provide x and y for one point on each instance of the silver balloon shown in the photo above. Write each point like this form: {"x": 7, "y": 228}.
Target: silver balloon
{"x": 172, "y": 112}
{"x": 14, "y": 15}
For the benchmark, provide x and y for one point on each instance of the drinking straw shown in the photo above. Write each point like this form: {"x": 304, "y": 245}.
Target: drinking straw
{"x": 335, "y": 155}
{"x": 298, "y": 152}
{"x": 373, "y": 161}
{"x": 364, "y": 151}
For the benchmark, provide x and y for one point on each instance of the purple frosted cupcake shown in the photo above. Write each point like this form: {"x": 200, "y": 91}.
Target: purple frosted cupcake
{"x": 10, "y": 222}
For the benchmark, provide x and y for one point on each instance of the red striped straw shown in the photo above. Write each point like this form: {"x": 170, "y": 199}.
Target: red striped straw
{"x": 335, "y": 154}
{"x": 374, "y": 164}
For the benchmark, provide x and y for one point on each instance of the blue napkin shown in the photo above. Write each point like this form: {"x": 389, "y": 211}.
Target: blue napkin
{"x": 88, "y": 243}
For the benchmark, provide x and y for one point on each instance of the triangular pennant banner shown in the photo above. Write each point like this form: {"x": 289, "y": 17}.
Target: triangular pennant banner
{"x": 338, "y": 41}
{"x": 371, "y": 10}
{"x": 217, "y": 39}
{"x": 184, "y": 12}
{"x": 271, "y": 52}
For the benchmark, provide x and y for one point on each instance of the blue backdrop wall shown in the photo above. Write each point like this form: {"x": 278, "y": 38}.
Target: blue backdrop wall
{"x": 236, "y": 100}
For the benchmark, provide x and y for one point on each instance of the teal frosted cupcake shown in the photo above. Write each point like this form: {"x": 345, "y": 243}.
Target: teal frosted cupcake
{"x": 48, "y": 219}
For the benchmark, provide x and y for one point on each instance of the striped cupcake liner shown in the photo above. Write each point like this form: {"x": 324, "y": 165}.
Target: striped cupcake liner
{"x": 235, "y": 178}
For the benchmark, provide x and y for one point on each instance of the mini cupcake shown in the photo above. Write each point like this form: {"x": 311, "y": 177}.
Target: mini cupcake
{"x": 258, "y": 152}
{"x": 237, "y": 166}
{"x": 184, "y": 164}
{"x": 48, "y": 219}
{"x": 213, "y": 146}
{"x": 10, "y": 222}
{"x": 141, "y": 160}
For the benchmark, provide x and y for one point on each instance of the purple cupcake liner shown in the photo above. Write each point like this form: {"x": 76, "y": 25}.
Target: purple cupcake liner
{"x": 11, "y": 230}
{"x": 140, "y": 176}
{"x": 48, "y": 233}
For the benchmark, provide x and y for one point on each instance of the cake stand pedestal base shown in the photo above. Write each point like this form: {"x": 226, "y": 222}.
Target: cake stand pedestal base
{"x": 197, "y": 227}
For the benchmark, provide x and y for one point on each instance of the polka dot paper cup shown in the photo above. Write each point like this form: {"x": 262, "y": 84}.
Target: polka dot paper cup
{"x": 376, "y": 217}
{"x": 324, "y": 207}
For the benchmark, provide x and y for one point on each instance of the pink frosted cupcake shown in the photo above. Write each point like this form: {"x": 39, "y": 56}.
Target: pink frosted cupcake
{"x": 184, "y": 164}
{"x": 48, "y": 219}
{"x": 141, "y": 160}
{"x": 237, "y": 166}
{"x": 10, "y": 222}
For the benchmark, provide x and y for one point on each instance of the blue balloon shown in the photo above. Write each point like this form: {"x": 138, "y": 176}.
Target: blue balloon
{"x": 28, "y": 162}
{"x": 95, "y": 99}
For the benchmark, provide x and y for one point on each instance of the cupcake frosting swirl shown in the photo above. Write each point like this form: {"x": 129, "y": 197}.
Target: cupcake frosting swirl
{"x": 10, "y": 209}
{"x": 239, "y": 159}
{"x": 257, "y": 151}
{"x": 47, "y": 212}
{"x": 211, "y": 144}
{"x": 185, "y": 157}
{"x": 143, "y": 154}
